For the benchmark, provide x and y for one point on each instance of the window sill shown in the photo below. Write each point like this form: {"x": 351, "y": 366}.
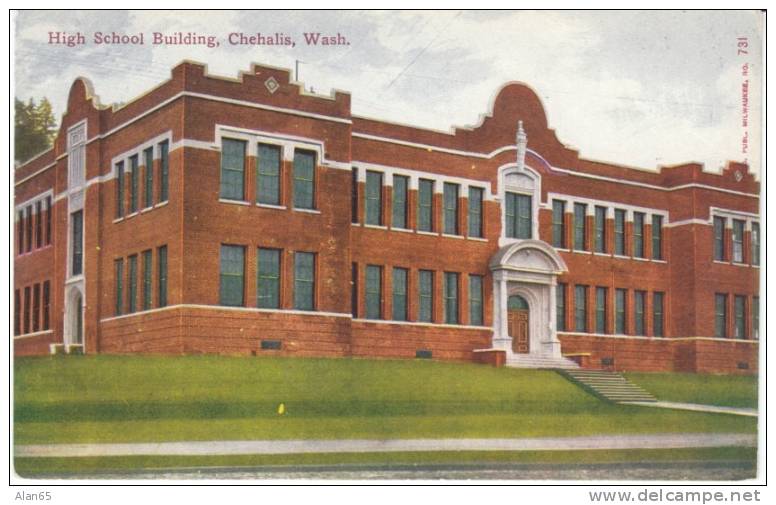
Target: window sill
{"x": 161, "y": 204}
{"x": 453, "y": 236}
{"x": 477, "y": 239}
{"x": 429, "y": 233}
{"x": 233, "y": 202}
{"x": 403, "y": 230}
{"x": 308, "y": 211}
{"x": 271, "y": 206}
{"x": 376, "y": 226}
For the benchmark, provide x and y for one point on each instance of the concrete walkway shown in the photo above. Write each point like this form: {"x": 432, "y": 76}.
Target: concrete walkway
{"x": 222, "y": 447}
{"x": 697, "y": 407}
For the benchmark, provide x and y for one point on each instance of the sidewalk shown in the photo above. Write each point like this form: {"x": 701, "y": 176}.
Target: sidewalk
{"x": 233, "y": 447}
{"x": 697, "y": 407}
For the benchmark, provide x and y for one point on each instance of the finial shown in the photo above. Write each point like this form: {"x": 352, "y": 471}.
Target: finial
{"x": 522, "y": 143}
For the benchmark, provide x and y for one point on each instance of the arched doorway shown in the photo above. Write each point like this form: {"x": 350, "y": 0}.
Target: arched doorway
{"x": 517, "y": 323}
{"x": 74, "y": 318}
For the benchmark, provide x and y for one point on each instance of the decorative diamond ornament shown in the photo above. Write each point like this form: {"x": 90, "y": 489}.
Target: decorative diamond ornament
{"x": 271, "y": 84}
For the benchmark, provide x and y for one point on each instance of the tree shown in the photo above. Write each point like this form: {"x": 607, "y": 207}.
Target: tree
{"x": 34, "y": 128}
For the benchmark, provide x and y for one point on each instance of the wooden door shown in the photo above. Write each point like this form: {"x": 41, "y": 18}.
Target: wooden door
{"x": 518, "y": 330}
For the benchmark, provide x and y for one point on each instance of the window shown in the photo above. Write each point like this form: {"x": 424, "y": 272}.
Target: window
{"x": 374, "y": 198}
{"x": 36, "y": 307}
{"x": 164, "y": 170}
{"x": 27, "y": 309}
{"x": 399, "y": 286}
{"x": 39, "y": 223}
{"x": 451, "y": 298}
{"x": 619, "y": 311}
{"x": 132, "y": 290}
{"x": 756, "y": 317}
{"x": 232, "y": 275}
{"x": 580, "y": 308}
{"x": 475, "y": 300}
{"x": 657, "y": 237}
{"x": 20, "y": 232}
{"x": 17, "y": 312}
{"x": 600, "y": 310}
{"x": 399, "y": 204}
{"x": 638, "y": 234}
{"x": 719, "y": 238}
{"x": 639, "y": 300}
{"x": 118, "y": 272}
{"x": 354, "y": 289}
{"x": 119, "y": 189}
{"x": 354, "y": 195}
{"x": 232, "y": 169}
{"x": 133, "y": 183}
{"x": 599, "y": 238}
{"x": 739, "y": 308}
{"x": 76, "y": 268}
{"x": 619, "y": 232}
{"x": 268, "y": 175}
{"x": 147, "y": 266}
{"x": 475, "y": 212}
{"x": 304, "y": 180}
{"x": 560, "y": 307}
{"x": 558, "y": 223}
{"x": 580, "y": 226}
{"x": 720, "y": 315}
{"x": 268, "y": 279}
{"x": 518, "y": 215}
{"x": 161, "y": 259}
{"x": 755, "y": 243}
{"x": 450, "y": 208}
{"x": 304, "y": 281}
{"x": 29, "y": 228}
{"x": 46, "y": 305}
{"x": 425, "y": 295}
{"x": 49, "y": 210}
{"x": 425, "y": 205}
{"x": 738, "y": 241}
{"x": 374, "y": 291}
{"x": 658, "y": 311}
{"x": 148, "y": 183}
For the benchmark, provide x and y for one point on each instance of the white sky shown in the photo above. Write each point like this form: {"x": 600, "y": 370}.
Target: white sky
{"x": 636, "y": 88}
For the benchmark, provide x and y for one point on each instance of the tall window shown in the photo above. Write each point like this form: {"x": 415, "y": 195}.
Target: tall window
{"x": 580, "y": 308}
{"x": 17, "y": 312}
{"x": 77, "y": 222}
{"x": 619, "y": 232}
{"x": 374, "y": 198}
{"x": 120, "y": 189}
{"x": 232, "y": 169}
{"x": 39, "y": 223}
{"x": 425, "y": 205}
{"x": 756, "y": 317}
{"x": 36, "y": 307}
{"x": 475, "y": 300}
{"x": 619, "y": 311}
{"x": 755, "y": 243}
{"x": 46, "y": 305}
{"x": 374, "y": 292}
{"x": 27, "y": 295}
{"x": 29, "y": 228}
{"x": 600, "y": 230}
{"x": 148, "y": 184}
{"x": 49, "y": 211}
{"x": 132, "y": 291}
{"x": 720, "y": 315}
{"x": 232, "y": 275}
{"x": 719, "y": 238}
{"x": 560, "y": 307}
{"x": 451, "y": 298}
{"x": 600, "y": 310}
{"x": 304, "y": 281}
{"x": 134, "y": 177}
{"x": 354, "y": 289}
{"x": 20, "y": 231}
{"x": 304, "y": 179}
{"x": 268, "y": 279}
{"x": 580, "y": 226}
{"x": 161, "y": 259}
{"x": 268, "y": 174}
{"x": 399, "y": 203}
{"x": 475, "y": 212}
{"x": 738, "y": 241}
{"x": 639, "y": 300}
{"x": 354, "y": 195}
{"x": 638, "y": 234}
{"x": 451, "y": 208}
{"x": 657, "y": 237}
{"x": 399, "y": 287}
{"x": 658, "y": 311}
{"x": 118, "y": 272}
{"x": 425, "y": 295}
{"x": 147, "y": 274}
{"x": 517, "y": 215}
{"x": 164, "y": 170}
{"x": 558, "y": 223}
{"x": 739, "y": 307}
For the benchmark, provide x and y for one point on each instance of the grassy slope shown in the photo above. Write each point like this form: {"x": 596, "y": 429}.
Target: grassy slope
{"x": 140, "y": 398}
{"x": 724, "y": 390}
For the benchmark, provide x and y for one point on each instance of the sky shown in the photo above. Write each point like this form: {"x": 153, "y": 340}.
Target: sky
{"x": 637, "y": 88}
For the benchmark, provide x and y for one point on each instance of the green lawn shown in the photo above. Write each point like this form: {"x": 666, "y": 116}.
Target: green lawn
{"x": 143, "y": 398}
{"x": 723, "y": 390}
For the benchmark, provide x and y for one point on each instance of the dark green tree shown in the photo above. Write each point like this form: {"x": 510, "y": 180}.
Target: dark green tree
{"x": 34, "y": 128}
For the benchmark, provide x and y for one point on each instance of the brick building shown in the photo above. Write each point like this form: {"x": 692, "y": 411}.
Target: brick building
{"x": 247, "y": 216}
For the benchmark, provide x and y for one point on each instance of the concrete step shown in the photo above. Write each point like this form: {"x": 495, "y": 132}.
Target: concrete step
{"x": 610, "y": 386}
{"x": 530, "y": 361}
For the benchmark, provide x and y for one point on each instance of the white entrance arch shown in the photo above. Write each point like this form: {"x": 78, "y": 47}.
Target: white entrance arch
{"x": 74, "y": 317}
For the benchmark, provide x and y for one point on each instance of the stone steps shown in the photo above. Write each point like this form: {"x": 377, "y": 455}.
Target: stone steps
{"x": 610, "y": 386}
{"x": 529, "y": 361}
